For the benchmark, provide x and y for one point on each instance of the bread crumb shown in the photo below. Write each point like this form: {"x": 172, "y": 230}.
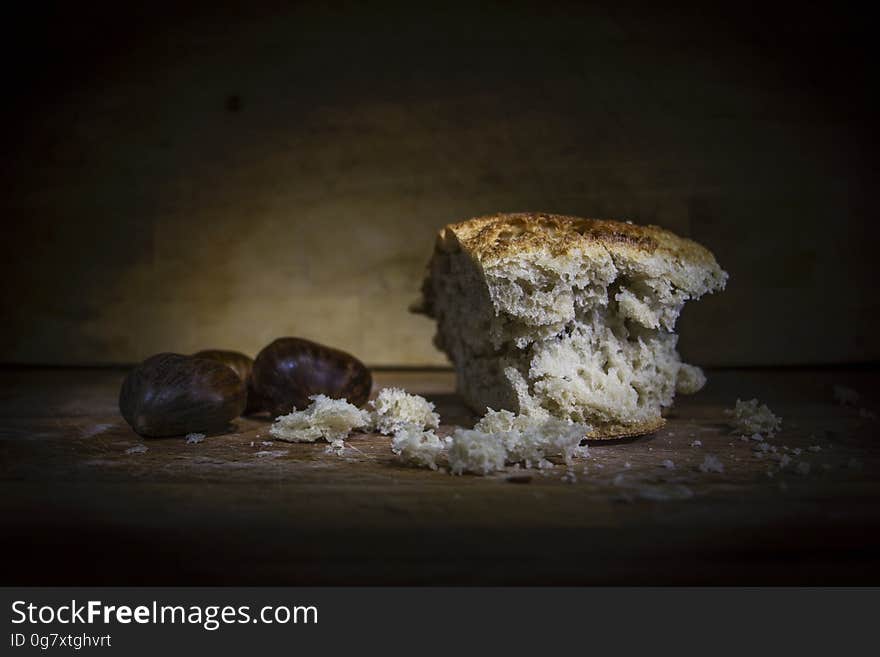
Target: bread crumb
{"x": 711, "y": 464}
{"x": 697, "y": 443}
{"x": 668, "y": 464}
{"x": 502, "y": 438}
{"x": 477, "y": 452}
{"x": 750, "y": 417}
{"x": 815, "y": 448}
{"x": 569, "y": 477}
{"x": 627, "y": 465}
{"x": 417, "y": 447}
{"x": 325, "y": 419}
{"x": 194, "y": 438}
{"x": 336, "y": 448}
{"x": 267, "y": 443}
{"x": 530, "y": 440}
{"x": 797, "y": 451}
{"x": 395, "y": 408}
{"x": 137, "y": 449}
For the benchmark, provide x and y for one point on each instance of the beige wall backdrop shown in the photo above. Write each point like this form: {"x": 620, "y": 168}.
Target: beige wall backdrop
{"x": 217, "y": 179}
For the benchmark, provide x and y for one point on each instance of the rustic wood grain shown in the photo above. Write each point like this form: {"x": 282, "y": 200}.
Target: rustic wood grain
{"x": 77, "y": 508}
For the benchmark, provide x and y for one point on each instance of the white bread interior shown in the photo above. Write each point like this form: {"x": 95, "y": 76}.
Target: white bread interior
{"x": 324, "y": 419}
{"x": 395, "y": 409}
{"x": 545, "y": 315}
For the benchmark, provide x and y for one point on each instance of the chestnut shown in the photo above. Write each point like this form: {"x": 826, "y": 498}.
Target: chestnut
{"x": 290, "y": 370}
{"x": 171, "y": 394}
{"x": 243, "y": 366}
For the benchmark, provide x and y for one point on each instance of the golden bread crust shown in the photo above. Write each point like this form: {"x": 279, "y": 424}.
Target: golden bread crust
{"x": 617, "y": 431}
{"x": 494, "y": 237}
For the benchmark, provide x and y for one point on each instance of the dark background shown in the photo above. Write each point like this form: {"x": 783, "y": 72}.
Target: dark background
{"x": 182, "y": 175}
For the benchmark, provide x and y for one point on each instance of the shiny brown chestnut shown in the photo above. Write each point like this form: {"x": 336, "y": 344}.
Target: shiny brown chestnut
{"x": 243, "y": 366}
{"x": 290, "y": 370}
{"x": 171, "y": 395}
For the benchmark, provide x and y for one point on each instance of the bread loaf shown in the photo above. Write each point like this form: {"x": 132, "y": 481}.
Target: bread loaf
{"x": 555, "y": 316}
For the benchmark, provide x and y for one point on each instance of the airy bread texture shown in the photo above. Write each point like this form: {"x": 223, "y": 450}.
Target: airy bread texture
{"x": 501, "y": 438}
{"x": 325, "y": 419}
{"x": 417, "y": 447}
{"x": 553, "y": 316}
{"x": 396, "y": 409}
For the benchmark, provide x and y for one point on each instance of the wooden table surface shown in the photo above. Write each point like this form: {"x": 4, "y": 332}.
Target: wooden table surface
{"x": 77, "y": 508}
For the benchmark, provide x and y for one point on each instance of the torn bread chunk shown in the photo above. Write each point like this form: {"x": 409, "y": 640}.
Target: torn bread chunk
{"x": 325, "y": 419}
{"x": 502, "y": 438}
{"x": 476, "y": 452}
{"x": 396, "y": 409}
{"x": 530, "y": 440}
{"x": 750, "y": 418}
{"x": 552, "y": 316}
{"x": 417, "y": 447}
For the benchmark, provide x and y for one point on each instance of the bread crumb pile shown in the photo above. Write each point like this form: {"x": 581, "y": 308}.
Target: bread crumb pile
{"x": 750, "y": 417}
{"x": 506, "y": 441}
{"x": 503, "y": 438}
{"x": 325, "y": 419}
{"x": 499, "y": 439}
